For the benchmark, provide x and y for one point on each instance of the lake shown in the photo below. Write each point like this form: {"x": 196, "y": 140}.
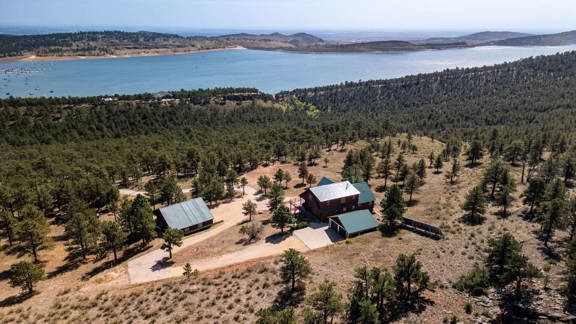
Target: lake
{"x": 269, "y": 71}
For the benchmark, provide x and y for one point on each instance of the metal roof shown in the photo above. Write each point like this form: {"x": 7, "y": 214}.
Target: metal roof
{"x": 334, "y": 191}
{"x": 324, "y": 181}
{"x": 357, "y": 221}
{"x": 366, "y": 194}
{"x": 186, "y": 214}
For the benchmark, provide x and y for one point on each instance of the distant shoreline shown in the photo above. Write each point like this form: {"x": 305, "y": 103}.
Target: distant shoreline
{"x": 35, "y": 58}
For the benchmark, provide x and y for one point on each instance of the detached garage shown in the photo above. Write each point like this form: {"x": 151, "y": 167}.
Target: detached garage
{"x": 353, "y": 223}
{"x": 188, "y": 216}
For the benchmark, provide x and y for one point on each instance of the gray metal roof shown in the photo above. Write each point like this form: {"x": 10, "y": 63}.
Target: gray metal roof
{"x": 334, "y": 191}
{"x": 186, "y": 214}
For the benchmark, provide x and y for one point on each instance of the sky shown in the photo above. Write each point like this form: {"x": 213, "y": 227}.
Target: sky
{"x": 295, "y": 14}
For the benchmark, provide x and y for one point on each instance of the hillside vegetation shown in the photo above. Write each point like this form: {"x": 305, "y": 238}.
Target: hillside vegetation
{"x": 487, "y": 154}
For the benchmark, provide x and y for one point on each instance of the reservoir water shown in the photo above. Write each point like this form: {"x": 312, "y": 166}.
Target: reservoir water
{"x": 269, "y": 71}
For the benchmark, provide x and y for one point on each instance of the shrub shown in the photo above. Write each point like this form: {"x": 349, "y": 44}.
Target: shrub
{"x": 474, "y": 282}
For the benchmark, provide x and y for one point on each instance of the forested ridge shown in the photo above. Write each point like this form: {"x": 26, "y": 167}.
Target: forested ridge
{"x": 527, "y": 97}
{"x": 530, "y": 100}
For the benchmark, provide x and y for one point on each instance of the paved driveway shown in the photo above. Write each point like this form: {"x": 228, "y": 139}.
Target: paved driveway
{"x": 317, "y": 235}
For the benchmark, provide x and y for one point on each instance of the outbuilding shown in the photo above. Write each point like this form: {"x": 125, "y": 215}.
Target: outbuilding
{"x": 353, "y": 223}
{"x": 188, "y": 216}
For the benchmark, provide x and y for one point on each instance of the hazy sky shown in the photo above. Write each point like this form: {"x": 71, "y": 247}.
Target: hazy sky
{"x": 295, "y": 14}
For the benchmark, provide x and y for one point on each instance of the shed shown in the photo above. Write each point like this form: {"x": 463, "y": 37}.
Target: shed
{"x": 188, "y": 216}
{"x": 353, "y": 223}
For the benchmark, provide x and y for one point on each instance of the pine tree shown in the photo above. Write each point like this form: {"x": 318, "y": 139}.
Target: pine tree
{"x": 326, "y": 301}
{"x": 412, "y": 184}
{"x": 249, "y": 208}
{"x": 144, "y": 226}
{"x": 243, "y": 183}
{"x": 393, "y": 207}
{"x": 275, "y": 197}
{"x": 475, "y": 153}
{"x": 24, "y": 274}
{"x": 438, "y": 163}
{"x": 454, "y": 171}
{"x": 475, "y": 204}
{"x": 33, "y": 230}
{"x": 534, "y": 194}
{"x": 9, "y": 225}
{"x": 281, "y": 218}
{"x": 295, "y": 268}
{"x": 114, "y": 237}
{"x": 172, "y": 237}
{"x": 303, "y": 172}
{"x": 264, "y": 183}
{"x": 83, "y": 229}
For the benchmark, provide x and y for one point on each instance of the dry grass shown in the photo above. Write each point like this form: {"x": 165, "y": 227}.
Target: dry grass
{"x": 234, "y": 294}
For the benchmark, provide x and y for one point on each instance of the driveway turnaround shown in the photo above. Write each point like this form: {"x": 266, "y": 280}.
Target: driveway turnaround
{"x": 318, "y": 235}
{"x": 152, "y": 266}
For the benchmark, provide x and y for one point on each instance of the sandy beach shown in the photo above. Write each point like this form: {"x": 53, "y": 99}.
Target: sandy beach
{"x": 35, "y": 58}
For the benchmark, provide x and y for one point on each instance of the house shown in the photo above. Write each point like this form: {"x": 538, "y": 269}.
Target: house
{"x": 332, "y": 198}
{"x": 188, "y": 216}
{"x": 353, "y": 223}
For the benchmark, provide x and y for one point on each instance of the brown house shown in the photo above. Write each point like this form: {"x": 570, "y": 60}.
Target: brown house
{"x": 330, "y": 198}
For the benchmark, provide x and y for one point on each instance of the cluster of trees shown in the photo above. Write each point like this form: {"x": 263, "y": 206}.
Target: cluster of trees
{"x": 376, "y": 295}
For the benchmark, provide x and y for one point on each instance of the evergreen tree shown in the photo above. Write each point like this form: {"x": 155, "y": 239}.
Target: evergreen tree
{"x": 410, "y": 280}
{"x": 475, "y": 204}
{"x": 454, "y": 171}
{"x": 25, "y": 274}
{"x": 281, "y": 218}
{"x": 114, "y": 237}
{"x": 172, "y": 237}
{"x": 144, "y": 227}
{"x": 249, "y": 208}
{"x": 303, "y": 172}
{"x": 9, "y": 225}
{"x": 294, "y": 269}
{"x": 33, "y": 230}
{"x": 243, "y": 184}
{"x": 493, "y": 176}
{"x": 438, "y": 163}
{"x": 287, "y": 178}
{"x": 190, "y": 273}
{"x": 412, "y": 184}
{"x": 384, "y": 169}
{"x": 534, "y": 194}
{"x": 269, "y": 316}
{"x": 393, "y": 207}
{"x": 569, "y": 287}
{"x": 83, "y": 230}
{"x": 275, "y": 197}
{"x": 264, "y": 183}
{"x": 326, "y": 301}
{"x": 475, "y": 153}
{"x": 552, "y": 211}
{"x": 310, "y": 179}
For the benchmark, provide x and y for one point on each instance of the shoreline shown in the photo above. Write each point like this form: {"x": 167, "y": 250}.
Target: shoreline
{"x": 34, "y": 58}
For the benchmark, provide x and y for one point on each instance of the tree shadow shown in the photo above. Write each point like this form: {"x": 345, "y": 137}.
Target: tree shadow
{"x": 299, "y": 185}
{"x": 162, "y": 264}
{"x": 13, "y": 300}
{"x": 549, "y": 253}
{"x": 518, "y": 308}
{"x": 502, "y": 214}
{"x": 288, "y": 298}
{"x": 412, "y": 202}
{"x": 277, "y": 238}
{"x": 468, "y": 219}
{"x": 387, "y": 231}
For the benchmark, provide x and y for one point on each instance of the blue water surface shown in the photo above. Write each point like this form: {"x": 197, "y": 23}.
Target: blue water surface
{"x": 269, "y": 71}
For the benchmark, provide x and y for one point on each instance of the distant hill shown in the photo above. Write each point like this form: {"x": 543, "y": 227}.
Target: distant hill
{"x": 140, "y": 43}
{"x": 382, "y": 46}
{"x": 560, "y": 39}
{"x": 476, "y": 38}
{"x": 271, "y": 41}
